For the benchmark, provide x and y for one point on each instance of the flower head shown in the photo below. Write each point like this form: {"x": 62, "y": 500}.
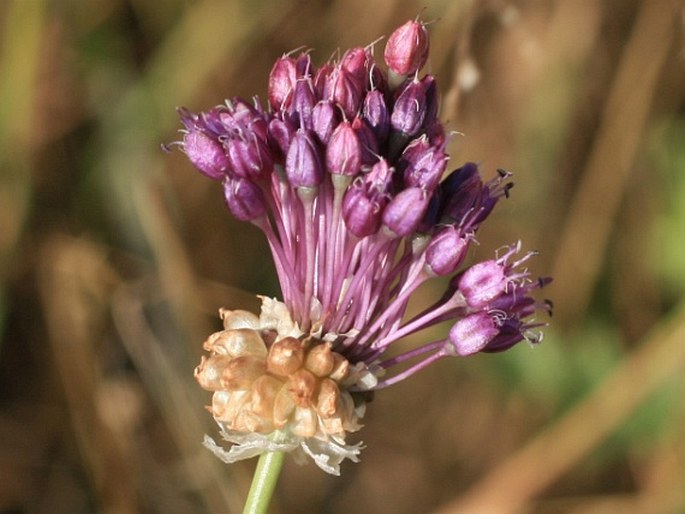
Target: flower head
{"x": 343, "y": 172}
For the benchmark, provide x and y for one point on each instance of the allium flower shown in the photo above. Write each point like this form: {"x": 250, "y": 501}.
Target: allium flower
{"x": 343, "y": 172}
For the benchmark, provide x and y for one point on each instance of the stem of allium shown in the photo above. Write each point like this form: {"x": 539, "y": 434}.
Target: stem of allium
{"x": 264, "y": 482}
{"x": 416, "y": 367}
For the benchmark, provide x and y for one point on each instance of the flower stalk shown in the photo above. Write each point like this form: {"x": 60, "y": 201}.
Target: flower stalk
{"x": 264, "y": 482}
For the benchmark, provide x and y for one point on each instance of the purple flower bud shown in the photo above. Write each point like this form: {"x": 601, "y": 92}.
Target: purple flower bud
{"x": 206, "y": 154}
{"x": 303, "y": 161}
{"x": 446, "y": 251}
{"x": 242, "y": 120}
{"x": 343, "y": 152}
{"x": 324, "y": 120}
{"x": 482, "y": 283}
{"x": 422, "y": 164}
{"x": 430, "y": 88}
{"x": 461, "y": 191}
{"x": 407, "y": 48}
{"x": 510, "y": 332}
{"x": 467, "y": 200}
{"x": 282, "y": 82}
{"x": 250, "y": 158}
{"x": 320, "y": 79}
{"x": 375, "y": 113}
{"x": 432, "y": 215}
{"x": 342, "y": 89}
{"x": 303, "y": 66}
{"x": 361, "y": 212}
{"x": 404, "y": 212}
{"x": 302, "y": 104}
{"x": 280, "y": 134}
{"x": 409, "y": 110}
{"x": 365, "y": 199}
{"x": 367, "y": 139}
{"x": 244, "y": 199}
{"x": 473, "y": 333}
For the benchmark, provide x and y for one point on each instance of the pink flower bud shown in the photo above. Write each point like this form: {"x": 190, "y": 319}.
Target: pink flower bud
{"x": 342, "y": 88}
{"x": 404, "y": 212}
{"x": 303, "y": 162}
{"x": 324, "y": 120}
{"x": 206, "y": 154}
{"x": 280, "y": 134}
{"x": 244, "y": 199}
{"x": 343, "y": 152}
{"x": 361, "y": 212}
{"x": 422, "y": 164}
{"x": 446, "y": 251}
{"x": 482, "y": 283}
{"x": 407, "y": 48}
{"x": 250, "y": 159}
{"x": 473, "y": 333}
{"x": 282, "y": 82}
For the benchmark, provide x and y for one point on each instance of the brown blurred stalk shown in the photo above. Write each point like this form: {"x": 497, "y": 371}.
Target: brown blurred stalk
{"x": 585, "y": 237}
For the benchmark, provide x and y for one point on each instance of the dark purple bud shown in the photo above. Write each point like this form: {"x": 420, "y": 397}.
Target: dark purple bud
{"x": 407, "y": 48}
{"x": 324, "y": 120}
{"x": 446, "y": 251}
{"x": 344, "y": 152}
{"x": 510, "y": 332}
{"x": 282, "y": 82}
{"x": 461, "y": 192}
{"x": 280, "y": 134}
{"x": 431, "y": 91}
{"x": 361, "y": 212}
{"x": 375, "y": 113}
{"x": 206, "y": 154}
{"x": 302, "y": 104}
{"x": 432, "y": 215}
{"x": 422, "y": 164}
{"x": 303, "y": 162}
{"x": 342, "y": 89}
{"x": 244, "y": 199}
{"x": 436, "y": 133}
{"x": 405, "y": 211}
{"x": 367, "y": 138}
{"x": 472, "y": 333}
{"x": 482, "y": 283}
{"x": 250, "y": 158}
{"x": 409, "y": 110}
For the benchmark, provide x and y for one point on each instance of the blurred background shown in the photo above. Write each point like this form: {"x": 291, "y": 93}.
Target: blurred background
{"x": 115, "y": 257}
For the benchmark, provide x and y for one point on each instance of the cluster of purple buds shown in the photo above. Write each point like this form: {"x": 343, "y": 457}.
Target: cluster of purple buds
{"x": 344, "y": 172}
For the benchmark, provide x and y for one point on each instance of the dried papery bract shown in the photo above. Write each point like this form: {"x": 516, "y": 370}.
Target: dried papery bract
{"x": 344, "y": 172}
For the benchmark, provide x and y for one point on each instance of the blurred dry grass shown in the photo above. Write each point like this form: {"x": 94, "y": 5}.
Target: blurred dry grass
{"x": 115, "y": 256}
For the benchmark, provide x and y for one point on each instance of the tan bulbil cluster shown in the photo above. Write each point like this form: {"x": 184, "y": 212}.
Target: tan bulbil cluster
{"x": 264, "y": 381}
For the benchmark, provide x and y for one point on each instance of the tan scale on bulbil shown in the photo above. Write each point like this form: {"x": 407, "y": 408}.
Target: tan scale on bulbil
{"x": 263, "y": 383}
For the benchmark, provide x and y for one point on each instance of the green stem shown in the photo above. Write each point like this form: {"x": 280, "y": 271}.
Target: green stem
{"x": 264, "y": 482}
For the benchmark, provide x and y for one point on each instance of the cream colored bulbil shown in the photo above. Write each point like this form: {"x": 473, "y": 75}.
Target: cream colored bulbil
{"x": 279, "y": 389}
